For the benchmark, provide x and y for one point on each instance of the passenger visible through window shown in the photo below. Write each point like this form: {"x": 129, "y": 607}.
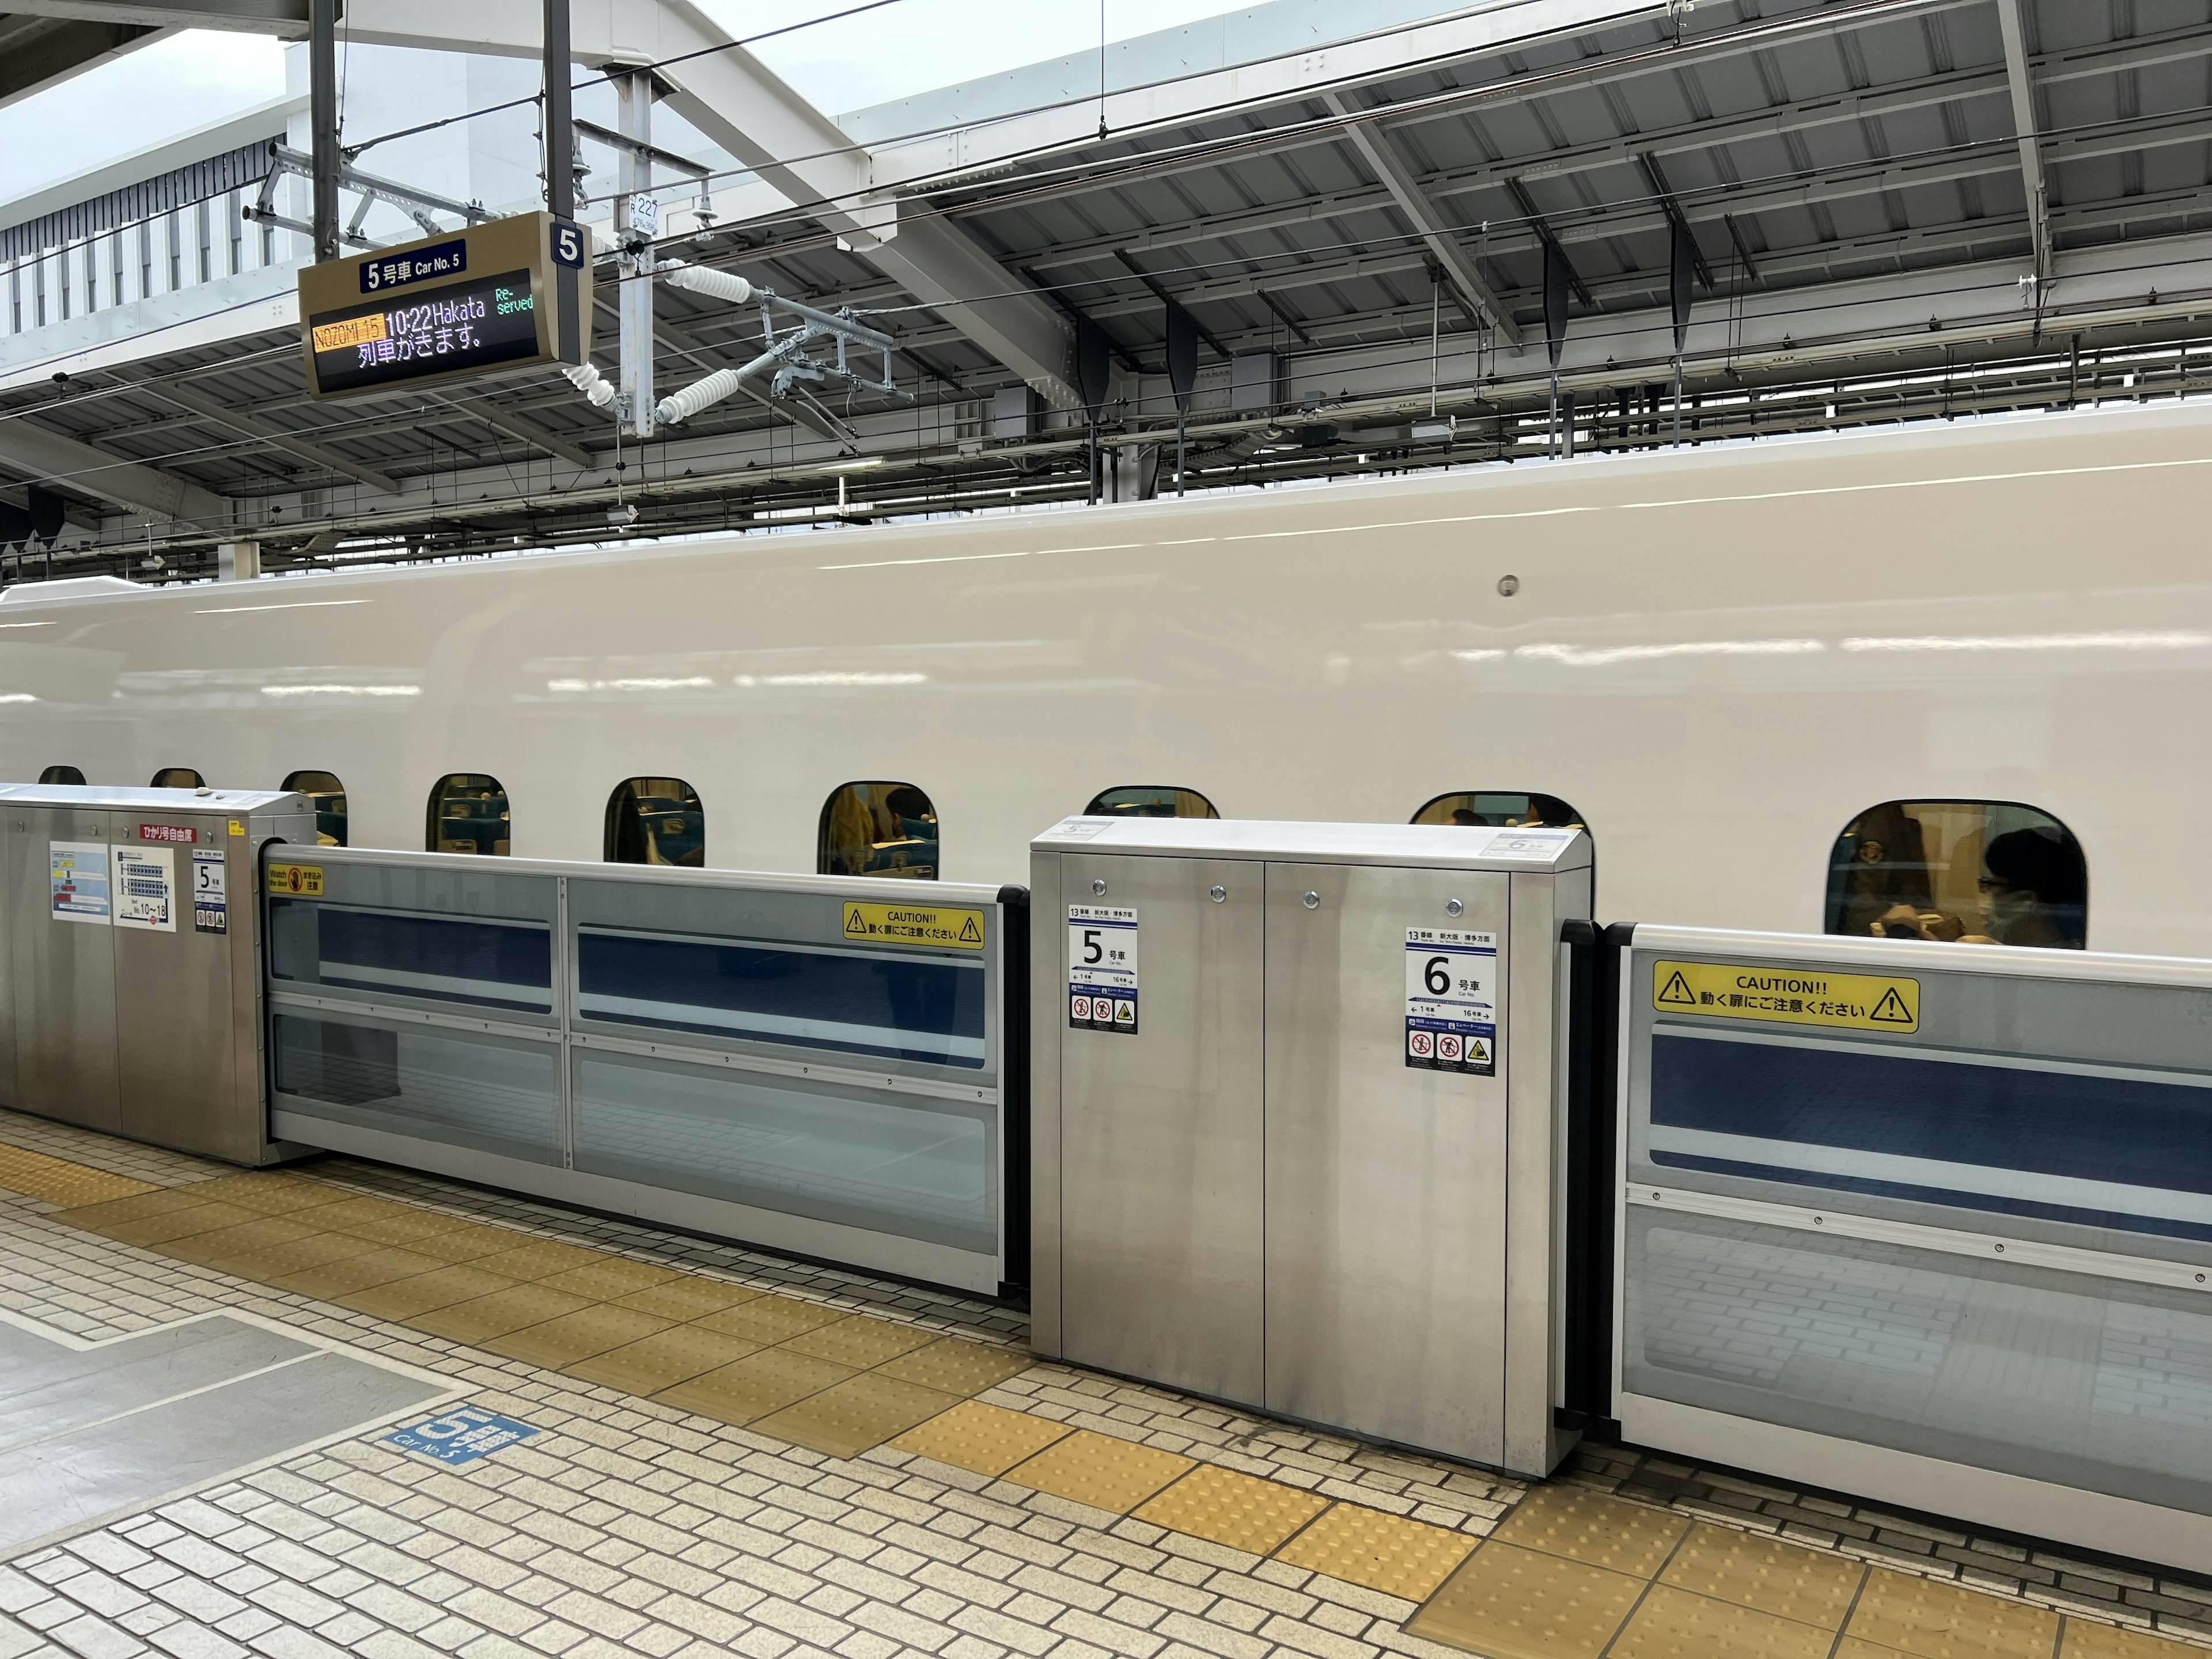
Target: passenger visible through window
{"x": 1970, "y": 871}
{"x": 328, "y": 794}
{"x": 469, "y": 814}
{"x": 1474, "y": 807}
{"x": 878, "y": 829}
{"x": 1144, "y": 801}
{"x": 178, "y": 777}
{"x": 61, "y": 774}
{"x": 655, "y": 821}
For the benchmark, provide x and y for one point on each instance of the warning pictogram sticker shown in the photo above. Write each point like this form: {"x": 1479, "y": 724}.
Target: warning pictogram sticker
{"x": 914, "y": 924}
{"x": 1790, "y": 996}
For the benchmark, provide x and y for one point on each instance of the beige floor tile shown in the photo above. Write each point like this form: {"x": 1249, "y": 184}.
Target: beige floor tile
{"x": 661, "y": 1360}
{"x": 847, "y": 1417}
{"x": 610, "y": 1277}
{"x": 563, "y": 1341}
{"x": 1239, "y": 1511}
{"x": 1673, "y": 1624}
{"x": 953, "y": 1366}
{"x": 859, "y": 1340}
{"x": 768, "y": 1318}
{"x": 483, "y": 1318}
{"x": 136, "y": 1207}
{"x": 360, "y": 1271}
{"x": 1763, "y": 1573}
{"x": 2085, "y": 1639}
{"x": 1101, "y": 1471}
{"x": 1588, "y": 1526}
{"x": 1387, "y": 1553}
{"x": 156, "y": 1231}
{"x": 1851, "y": 1648}
{"x": 755, "y": 1385}
{"x": 542, "y": 1258}
{"x": 987, "y": 1439}
{"x": 1935, "y": 1621}
{"x": 687, "y": 1297}
{"x": 297, "y": 1256}
{"x": 268, "y": 1192}
{"x": 407, "y": 1299}
{"x": 1511, "y": 1603}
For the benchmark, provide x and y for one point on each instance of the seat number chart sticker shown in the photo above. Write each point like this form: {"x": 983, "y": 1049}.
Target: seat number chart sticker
{"x": 146, "y": 888}
{"x": 1789, "y": 996}
{"x": 1102, "y": 968}
{"x": 1451, "y": 1000}
{"x": 210, "y": 904}
{"x": 79, "y": 880}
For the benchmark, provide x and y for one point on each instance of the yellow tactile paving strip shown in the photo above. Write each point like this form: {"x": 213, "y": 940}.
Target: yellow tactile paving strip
{"x": 1570, "y": 1574}
{"x": 54, "y": 1181}
{"x": 835, "y": 1382}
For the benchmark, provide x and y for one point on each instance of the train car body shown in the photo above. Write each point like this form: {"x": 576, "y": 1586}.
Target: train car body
{"x": 1719, "y": 657}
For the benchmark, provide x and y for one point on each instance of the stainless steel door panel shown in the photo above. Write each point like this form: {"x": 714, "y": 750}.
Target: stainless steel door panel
{"x": 176, "y": 1033}
{"x": 1386, "y": 1185}
{"x": 64, "y": 980}
{"x": 1161, "y": 1237}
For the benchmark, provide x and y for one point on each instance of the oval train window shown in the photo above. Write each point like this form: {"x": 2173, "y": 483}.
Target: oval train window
{"x": 61, "y": 774}
{"x": 469, "y": 814}
{"x": 1473, "y": 807}
{"x": 1146, "y": 800}
{"x": 328, "y": 796}
{"x": 177, "y": 777}
{"x": 878, "y": 829}
{"x": 1964, "y": 872}
{"x": 655, "y": 821}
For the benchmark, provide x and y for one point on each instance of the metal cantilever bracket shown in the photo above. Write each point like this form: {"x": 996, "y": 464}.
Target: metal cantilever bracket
{"x": 416, "y": 204}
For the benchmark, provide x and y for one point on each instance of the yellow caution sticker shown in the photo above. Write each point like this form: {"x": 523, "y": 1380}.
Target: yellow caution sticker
{"x": 1794, "y": 996}
{"x": 300, "y": 880}
{"x": 238, "y": 826}
{"x": 914, "y": 924}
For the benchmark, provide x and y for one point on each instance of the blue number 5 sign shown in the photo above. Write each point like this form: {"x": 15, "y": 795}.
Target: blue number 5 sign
{"x": 461, "y": 1436}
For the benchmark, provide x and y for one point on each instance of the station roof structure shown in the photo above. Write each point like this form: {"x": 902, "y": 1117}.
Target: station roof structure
{"x": 1893, "y": 209}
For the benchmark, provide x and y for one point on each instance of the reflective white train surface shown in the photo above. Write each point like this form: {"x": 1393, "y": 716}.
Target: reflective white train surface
{"x": 1952, "y": 681}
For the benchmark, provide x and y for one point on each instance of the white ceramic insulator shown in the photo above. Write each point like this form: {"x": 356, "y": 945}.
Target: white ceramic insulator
{"x": 700, "y": 394}
{"x": 592, "y": 384}
{"x": 702, "y": 279}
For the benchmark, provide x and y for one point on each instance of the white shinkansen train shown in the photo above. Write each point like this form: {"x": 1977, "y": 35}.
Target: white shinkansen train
{"x": 1951, "y": 682}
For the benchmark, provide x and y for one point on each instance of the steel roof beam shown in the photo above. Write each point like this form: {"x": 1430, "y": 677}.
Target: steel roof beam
{"x": 1366, "y": 134}
{"x": 1689, "y": 138}
{"x": 53, "y": 458}
{"x": 252, "y": 425}
{"x": 2020, "y": 85}
{"x": 739, "y": 103}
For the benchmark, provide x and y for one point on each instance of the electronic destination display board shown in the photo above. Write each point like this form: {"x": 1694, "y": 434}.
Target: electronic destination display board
{"x": 493, "y": 298}
{"x": 413, "y": 335}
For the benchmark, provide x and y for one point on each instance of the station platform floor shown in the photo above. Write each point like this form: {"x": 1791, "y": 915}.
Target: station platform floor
{"x": 635, "y": 1444}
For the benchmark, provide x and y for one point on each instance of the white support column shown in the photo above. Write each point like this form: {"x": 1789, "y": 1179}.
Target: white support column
{"x": 2011, "y": 26}
{"x": 635, "y": 232}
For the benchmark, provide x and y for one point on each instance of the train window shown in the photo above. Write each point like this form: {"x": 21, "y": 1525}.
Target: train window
{"x": 1473, "y": 807}
{"x": 1148, "y": 801}
{"x": 177, "y": 777}
{"x": 1975, "y": 871}
{"x": 878, "y": 829}
{"x": 468, "y": 814}
{"x": 61, "y": 774}
{"x": 328, "y": 794}
{"x": 655, "y": 821}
